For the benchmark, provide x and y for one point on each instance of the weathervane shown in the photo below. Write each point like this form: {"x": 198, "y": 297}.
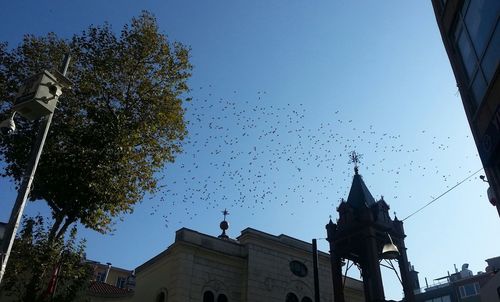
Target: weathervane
{"x": 355, "y": 158}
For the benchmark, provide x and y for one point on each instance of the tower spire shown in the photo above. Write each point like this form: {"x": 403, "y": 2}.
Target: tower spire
{"x": 359, "y": 195}
{"x": 355, "y": 158}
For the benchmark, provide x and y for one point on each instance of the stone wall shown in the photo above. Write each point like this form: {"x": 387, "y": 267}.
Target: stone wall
{"x": 256, "y": 268}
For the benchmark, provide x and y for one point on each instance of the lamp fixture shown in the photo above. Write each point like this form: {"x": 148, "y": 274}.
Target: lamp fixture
{"x": 390, "y": 250}
{"x": 8, "y": 126}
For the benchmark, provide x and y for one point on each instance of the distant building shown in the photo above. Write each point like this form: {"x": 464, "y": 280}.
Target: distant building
{"x": 463, "y": 286}
{"x": 471, "y": 35}
{"x": 110, "y": 283}
{"x": 106, "y": 273}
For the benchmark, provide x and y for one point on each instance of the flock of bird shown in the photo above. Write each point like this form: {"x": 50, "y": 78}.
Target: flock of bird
{"x": 249, "y": 152}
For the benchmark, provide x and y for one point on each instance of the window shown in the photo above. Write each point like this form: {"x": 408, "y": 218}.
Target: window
{"x": 478, "y": 87}
{"x": 476, "y": 36}
{"x": 464, "y": 46}
{"x": 480, "y": 19}
{"x": 101, "y": 277}
{"x": 468, "y": 290}
{"x": 491, "y": 58}
{"x": 208, "y": 296}
{"x": 121, "y": 282}
{"x": 440, "y": 299}
{"x": 222, "y": 298}
{"x": 161, "y": 297}
{"x": 291, "y": 297}
{"x": 131, "y": 281}
{"x": 298, "y": 268}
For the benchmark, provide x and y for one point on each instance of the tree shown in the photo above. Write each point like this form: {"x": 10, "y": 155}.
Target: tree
{"x": 46, "y": 270}
{"x": 112, "y": 132}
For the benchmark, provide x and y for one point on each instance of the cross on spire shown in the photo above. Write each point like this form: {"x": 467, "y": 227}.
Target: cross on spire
{"x": 224, "y": 226}
{"x": 355, "y": 158}
{"x": 225, "y": 213}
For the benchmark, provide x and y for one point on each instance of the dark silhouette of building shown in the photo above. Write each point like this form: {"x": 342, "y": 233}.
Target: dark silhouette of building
{"x": 471, "y": 35}
{"x": 365, "y": 234}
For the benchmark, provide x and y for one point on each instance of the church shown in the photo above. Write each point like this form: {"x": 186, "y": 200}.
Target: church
{"x": 254, "y": 267}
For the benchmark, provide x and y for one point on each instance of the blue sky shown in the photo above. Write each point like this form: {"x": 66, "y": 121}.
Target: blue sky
{"x": 282, "y": 91}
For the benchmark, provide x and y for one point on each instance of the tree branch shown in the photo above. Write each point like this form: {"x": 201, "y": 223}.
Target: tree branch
{"x": 67, "y": 223}
{"x": 58, "y": 218}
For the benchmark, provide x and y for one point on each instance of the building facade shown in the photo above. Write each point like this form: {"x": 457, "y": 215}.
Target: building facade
{"x": 490, "y": 291}
{"x": 471, "y": 35}
{"x": 256, "y": 267}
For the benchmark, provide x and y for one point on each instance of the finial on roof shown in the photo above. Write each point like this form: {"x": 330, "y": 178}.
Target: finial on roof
{"x": 359, "y": 195}
{"x": 355, "y": 158}
{"x": 224, "y": 226}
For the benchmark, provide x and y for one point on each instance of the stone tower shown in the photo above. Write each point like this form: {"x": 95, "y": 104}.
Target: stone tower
{"x": 362, "y": 231}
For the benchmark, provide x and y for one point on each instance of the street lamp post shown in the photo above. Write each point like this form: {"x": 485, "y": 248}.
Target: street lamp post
{"x": 17, "y": 211}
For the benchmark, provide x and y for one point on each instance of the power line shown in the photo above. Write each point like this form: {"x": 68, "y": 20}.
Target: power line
{"x": 446, "y": 192}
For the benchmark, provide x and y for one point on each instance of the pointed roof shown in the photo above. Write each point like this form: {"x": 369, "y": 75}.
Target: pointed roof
{"x": 359, "y": 195}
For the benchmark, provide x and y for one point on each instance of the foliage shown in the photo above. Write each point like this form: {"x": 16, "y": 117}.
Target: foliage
{"x": 33, "y": 261}
{"x": 112, "y": 132}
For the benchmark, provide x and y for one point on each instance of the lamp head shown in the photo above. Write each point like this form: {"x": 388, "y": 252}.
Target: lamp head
{"x": 54, "y": 90}
{"x": 8, "y": 126}
{"x": 390, "y": 250}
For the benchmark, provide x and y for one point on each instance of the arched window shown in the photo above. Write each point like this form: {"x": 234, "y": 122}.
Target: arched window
{"x": 307, "y": 299}
{"x": 291, "y": 297}
{"x": 208, "y": 296}
{"x": 222, "y": 298}
{"x": 162, "y": 296}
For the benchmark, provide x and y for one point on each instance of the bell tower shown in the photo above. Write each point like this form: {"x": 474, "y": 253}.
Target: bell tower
{"x": 365, "y": 234}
